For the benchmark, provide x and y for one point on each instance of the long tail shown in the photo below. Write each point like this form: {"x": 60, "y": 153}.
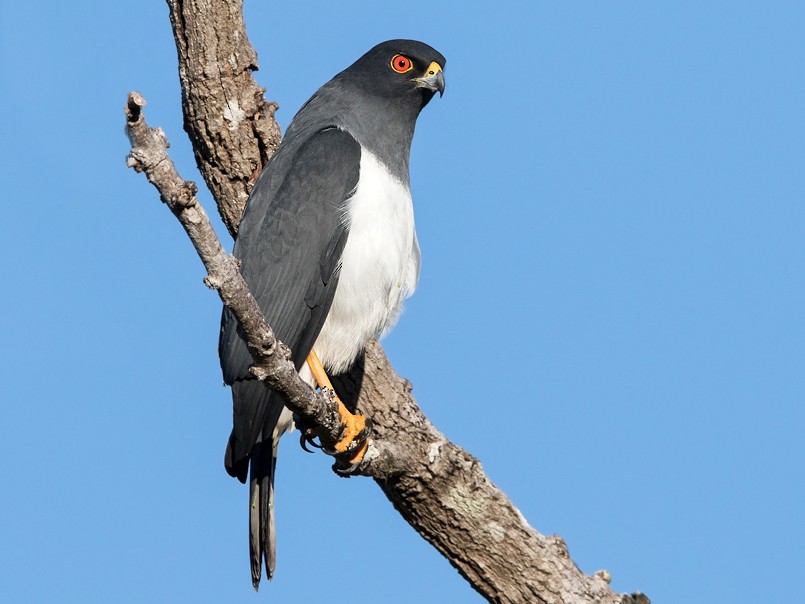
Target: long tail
{"x": 260, "y": 419}
{"x": 262, "y": 537}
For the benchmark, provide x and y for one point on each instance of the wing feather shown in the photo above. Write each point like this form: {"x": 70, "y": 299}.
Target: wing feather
{"x": 290, "y": 243}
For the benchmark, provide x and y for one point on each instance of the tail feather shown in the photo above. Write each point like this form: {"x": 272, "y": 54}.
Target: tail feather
{"x": 262, "y": 465}
{"x": 267, "y": 511}
{"x": 251, "y": 453}
{"x": 262, "y": 537}
{"x": 254, "y": 519}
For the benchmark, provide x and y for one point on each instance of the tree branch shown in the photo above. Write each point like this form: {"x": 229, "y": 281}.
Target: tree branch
{"x": 149, "y": 154}
{"x": 229, "y": 122}
{"x": 440, "y": 489}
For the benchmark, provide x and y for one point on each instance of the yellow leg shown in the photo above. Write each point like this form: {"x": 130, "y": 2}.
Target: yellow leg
{"x": 353, "y": 424}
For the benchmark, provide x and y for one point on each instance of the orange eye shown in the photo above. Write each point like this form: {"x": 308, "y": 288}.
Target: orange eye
{"x": 401, "y": 63}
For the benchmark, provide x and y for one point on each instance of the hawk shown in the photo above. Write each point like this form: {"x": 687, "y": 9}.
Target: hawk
{"x": 328, "y": 247}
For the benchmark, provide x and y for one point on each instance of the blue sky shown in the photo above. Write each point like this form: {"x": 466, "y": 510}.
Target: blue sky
{"x": 611, "y": 204}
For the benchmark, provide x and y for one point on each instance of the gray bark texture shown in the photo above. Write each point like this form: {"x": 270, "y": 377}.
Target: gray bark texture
{"x": 437, "y": 487}
{"x": 226, "y": 116}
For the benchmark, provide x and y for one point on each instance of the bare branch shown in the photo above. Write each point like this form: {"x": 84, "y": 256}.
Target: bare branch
{"x": 231, "y": 125}
{"x": 149, "y": 154}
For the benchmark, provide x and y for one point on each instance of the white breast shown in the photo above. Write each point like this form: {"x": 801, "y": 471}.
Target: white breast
{"x": 379, "y": 265}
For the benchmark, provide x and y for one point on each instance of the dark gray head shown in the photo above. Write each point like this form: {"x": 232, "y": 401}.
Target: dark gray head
{"x": 377, "y": 99}
{"x": 400, "y": 70}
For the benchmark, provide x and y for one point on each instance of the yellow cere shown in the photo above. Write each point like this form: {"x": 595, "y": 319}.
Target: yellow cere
{"x": 433, "y": 69}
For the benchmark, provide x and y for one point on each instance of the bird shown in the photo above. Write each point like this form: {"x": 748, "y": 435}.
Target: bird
{"x": 328, "y": 247}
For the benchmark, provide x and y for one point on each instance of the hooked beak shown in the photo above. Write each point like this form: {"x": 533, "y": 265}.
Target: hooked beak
{"x": 433, "y": 79}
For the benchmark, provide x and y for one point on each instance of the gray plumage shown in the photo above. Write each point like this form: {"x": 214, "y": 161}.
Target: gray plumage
{"x": 333, "y": 203}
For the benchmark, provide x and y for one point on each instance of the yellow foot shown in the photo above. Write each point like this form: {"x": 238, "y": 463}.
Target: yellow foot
{"x": 354, "y": 433}
{"x": 355, "y": 429}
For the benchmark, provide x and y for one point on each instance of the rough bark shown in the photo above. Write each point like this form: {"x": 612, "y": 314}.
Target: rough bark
{"x": 229, "y": 122}
{"x": 444, "y": 494}
{"x": 440, "y": 489}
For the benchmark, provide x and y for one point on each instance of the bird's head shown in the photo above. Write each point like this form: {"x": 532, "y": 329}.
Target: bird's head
{"x": 400, "y": 69}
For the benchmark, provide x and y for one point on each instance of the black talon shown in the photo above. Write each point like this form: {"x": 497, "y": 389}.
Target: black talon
{"x": 306, "y": 438}
{"x": 306, "y": 434}
{"x": 345, "y": 472}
